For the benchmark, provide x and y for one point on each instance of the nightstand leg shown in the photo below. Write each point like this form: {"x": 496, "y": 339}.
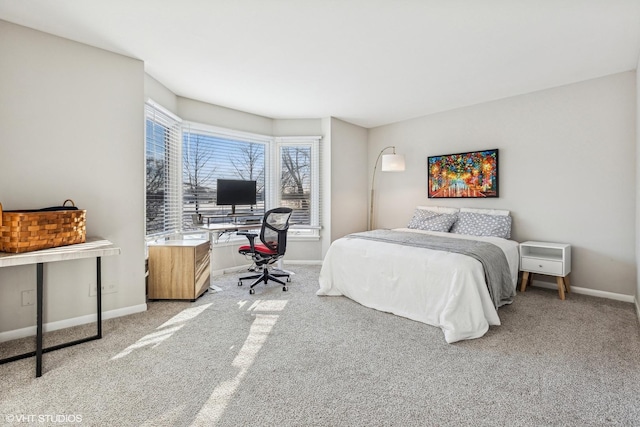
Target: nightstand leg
{"x": 567, "y": 283}
{"x": 525, "y": 279}
{"x": 560, "y": 281}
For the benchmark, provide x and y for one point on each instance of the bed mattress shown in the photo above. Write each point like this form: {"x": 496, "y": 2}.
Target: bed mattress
{"x": 439, "y": 288}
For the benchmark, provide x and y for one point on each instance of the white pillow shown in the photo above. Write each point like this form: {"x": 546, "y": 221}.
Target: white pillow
{"x": 439, "y": 209}
{"x": 424, "y": 219}
{"x": 485, "y": 211}
{"x": 482, "y": 224}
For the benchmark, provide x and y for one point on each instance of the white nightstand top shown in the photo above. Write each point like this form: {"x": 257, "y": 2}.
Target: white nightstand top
{"x": 545, "y": 244}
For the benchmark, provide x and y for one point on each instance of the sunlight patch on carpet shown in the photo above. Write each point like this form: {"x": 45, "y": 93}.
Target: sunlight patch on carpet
{"x": 259, "y": 331}
{"x": 167, "y": 329}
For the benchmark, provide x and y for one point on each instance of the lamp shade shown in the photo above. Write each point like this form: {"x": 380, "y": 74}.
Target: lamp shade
{"x": 392, "y": 163}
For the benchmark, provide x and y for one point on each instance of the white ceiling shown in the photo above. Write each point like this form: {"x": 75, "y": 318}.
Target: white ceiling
{"x": 368, "y": 62}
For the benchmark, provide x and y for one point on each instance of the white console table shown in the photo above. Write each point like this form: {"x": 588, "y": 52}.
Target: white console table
{"x": 94, "y": 247}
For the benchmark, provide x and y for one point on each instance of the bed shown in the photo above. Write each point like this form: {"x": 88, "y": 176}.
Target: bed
{"x": 406, "y": 272}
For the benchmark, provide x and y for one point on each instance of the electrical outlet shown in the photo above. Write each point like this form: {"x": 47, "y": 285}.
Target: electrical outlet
{"x": 28, "y": 297}
{"x": 110, "y": 288}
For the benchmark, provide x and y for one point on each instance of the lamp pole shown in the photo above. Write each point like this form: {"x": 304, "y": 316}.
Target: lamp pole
{"x": 373, "y": 179}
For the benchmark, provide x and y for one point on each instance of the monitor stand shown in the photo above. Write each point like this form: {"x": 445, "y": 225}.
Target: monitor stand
{"x": 233, "y": 214}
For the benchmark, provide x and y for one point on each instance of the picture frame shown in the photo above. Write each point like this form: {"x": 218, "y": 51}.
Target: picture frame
{"x": 473, "y": 174}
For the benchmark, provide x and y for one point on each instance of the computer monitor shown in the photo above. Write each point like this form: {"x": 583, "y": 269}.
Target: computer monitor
{"x": 232, "y": 192}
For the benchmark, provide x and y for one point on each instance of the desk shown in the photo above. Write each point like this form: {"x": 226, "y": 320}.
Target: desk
{"x": 203, "y": 219}
{"x": 228, "y": 227}
{"x": 94, "y": 247}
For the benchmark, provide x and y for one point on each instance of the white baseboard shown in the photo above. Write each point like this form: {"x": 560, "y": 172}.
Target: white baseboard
{"x": 587, "y": 291}
{"x": 303, "y": 262}
{"x": 223, "y": 271}
{"x": 67, "y": 323}
{"x": 637, "y": 307}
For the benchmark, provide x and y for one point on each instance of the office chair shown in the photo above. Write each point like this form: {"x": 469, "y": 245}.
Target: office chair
{"x": 273, "y": 236}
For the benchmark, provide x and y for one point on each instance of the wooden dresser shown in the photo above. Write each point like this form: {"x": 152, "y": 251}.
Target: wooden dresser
{"x": 178, "y": 269}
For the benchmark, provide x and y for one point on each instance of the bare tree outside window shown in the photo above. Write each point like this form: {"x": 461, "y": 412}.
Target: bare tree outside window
{"x": 198, "y": 171}
{"x": 295, "y": 183}
{"x": 155, "y": 195}
{"x": 249, "y": 165}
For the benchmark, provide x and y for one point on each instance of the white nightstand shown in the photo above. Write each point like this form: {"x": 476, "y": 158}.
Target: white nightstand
{"x": 553, "y": 259}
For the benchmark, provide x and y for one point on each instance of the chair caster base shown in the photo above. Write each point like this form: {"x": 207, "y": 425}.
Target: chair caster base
{"x": 284, "y": 288}
{"x": 252, "y": 291}
{"x": 239, "y": 282}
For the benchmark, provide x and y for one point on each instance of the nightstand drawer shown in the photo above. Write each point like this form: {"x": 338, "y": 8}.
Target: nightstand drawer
{"x": 542, "y": 266}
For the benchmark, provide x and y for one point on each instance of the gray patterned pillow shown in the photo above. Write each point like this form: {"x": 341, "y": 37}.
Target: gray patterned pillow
{"x": 431, "y": 221}
{"x": 475, "y": 224}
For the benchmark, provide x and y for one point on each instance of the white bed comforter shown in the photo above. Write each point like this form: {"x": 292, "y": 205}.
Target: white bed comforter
{"x": 439, "y": 288}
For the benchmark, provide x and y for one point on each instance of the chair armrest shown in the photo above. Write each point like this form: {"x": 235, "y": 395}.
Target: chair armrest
{"x": 251, "y": 236}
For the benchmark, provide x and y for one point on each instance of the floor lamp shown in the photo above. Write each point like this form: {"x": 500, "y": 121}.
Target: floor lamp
{"x": 390, "y": 163}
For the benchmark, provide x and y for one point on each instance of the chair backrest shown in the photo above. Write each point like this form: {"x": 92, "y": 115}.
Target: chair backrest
{"x": 275, "y": 225}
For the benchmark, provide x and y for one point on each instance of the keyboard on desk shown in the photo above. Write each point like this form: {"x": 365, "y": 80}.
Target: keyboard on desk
{"x": 250, "y": 221}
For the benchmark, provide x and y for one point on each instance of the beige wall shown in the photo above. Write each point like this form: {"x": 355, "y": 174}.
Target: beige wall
{"x": 71, "y": 126}
{"x": 348, "y": 178}
{"x": 159, "y": 93}
{"x": 637, "y": 212}
{"x": 214, "y": 115}
{"x": 567, "y": 170}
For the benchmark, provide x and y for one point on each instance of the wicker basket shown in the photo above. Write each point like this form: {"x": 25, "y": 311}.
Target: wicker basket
{"x": 31, "y": 230}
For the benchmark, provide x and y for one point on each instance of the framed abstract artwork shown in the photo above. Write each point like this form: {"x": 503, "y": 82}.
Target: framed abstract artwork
{"x": 462, "y": 175}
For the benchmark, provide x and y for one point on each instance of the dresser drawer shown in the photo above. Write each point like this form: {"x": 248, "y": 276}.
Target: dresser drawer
{"x": 542, "y": 266}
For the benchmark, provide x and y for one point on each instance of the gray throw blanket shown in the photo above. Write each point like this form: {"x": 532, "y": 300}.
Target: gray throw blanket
{"x": 492, "y": 258}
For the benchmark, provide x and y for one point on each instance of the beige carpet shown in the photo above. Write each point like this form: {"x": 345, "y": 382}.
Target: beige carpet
{"x": 294, "y": 359}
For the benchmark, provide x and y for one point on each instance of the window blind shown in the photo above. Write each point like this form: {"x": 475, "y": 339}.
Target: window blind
{"x": 163, "y": 171}
{"x": 210, "y": 154}
{"x": 299, "y": 178}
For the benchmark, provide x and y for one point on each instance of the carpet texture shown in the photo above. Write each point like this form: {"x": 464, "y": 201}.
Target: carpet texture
{"x": 295, "y": 359}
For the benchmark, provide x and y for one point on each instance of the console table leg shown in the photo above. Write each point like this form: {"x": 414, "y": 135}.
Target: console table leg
{"x": 99, "y": 295}
{"x": 39, "y": 310}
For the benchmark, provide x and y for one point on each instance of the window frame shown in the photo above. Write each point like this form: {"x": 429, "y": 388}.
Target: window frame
{"x": 229, "y": 134}
{"x": 312, "y": 142}
{"x": 272, "y": 173}
{"x": 172, "y": 209}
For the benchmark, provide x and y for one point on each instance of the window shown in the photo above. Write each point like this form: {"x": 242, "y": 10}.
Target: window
{"x": 209, "y": 155}
{"x": 163, "y": 170}
{"x": 185, "y": 160}
{"x": 298, "y": 179}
